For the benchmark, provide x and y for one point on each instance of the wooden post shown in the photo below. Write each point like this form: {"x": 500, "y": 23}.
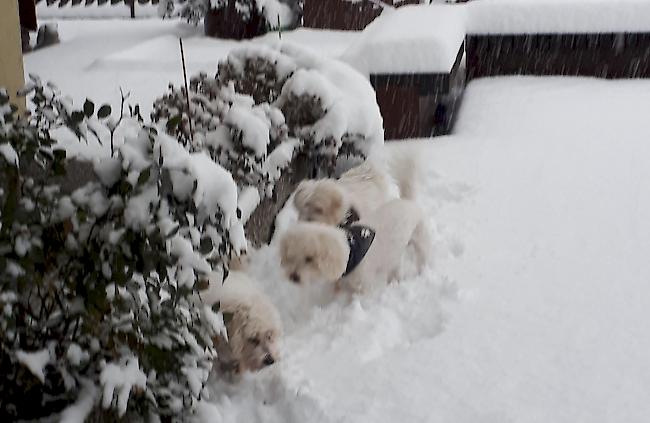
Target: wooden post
{"x": 11, "y": 57}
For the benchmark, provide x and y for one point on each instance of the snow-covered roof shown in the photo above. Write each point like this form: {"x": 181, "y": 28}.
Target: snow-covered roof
{"x": 410, "y": 39}
{"x": 557, "y": 16}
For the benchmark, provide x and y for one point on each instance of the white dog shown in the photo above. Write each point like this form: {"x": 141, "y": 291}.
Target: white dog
{"x": 356, "y": 193}
{"x": 252, "y": 323}
{"x": 360, "y": 255}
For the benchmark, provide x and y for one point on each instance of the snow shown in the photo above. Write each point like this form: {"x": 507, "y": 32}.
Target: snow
{"x": 534, "y": 307}
{"x": 347, "y": 97}
{"x": 118, "y": 380}
{"x": 76, "y": 355}
{"x": 35, "y": 361}
{"x": 558, "y": 16}
{"x": 215, "y": 189}
{"x": 254, "y": 128}
{"x": 280, "y": 157}
{"x": 9, "y": 154}
{"x": 248, "y": 200}
{"x": 277, "y": 13}
{"x": 79, "y": 411}
{"x": 395, "y": 42}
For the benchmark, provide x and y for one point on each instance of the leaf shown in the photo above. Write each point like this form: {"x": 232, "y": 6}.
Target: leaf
{"x": 89, "y": 108}
{"x": 77, "y": 117}
{"x": 205, "y": 247}
{"x": 144, "y": 176}
{"x": 104, "y": 111}
{"x": 59, "y": 154}
{"x": 125, "y": 188}
{"x": 173, "y": 232}
{"x": 173, "y": 122}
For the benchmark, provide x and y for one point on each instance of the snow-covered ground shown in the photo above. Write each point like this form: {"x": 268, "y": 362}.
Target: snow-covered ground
{"x": 97, "y": 57}
{"x": 536, "y": 304}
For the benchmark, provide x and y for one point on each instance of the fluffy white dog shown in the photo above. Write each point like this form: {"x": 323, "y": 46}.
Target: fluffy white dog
{"x": 360, "y": 255}
{"x": 253, "y": 325}
{"x": 356, "y": 193}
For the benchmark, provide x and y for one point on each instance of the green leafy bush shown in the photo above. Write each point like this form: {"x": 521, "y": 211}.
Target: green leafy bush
{"x": 98, "y": 286}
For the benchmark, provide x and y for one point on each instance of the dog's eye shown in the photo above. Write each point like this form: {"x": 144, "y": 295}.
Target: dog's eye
{"x": 318, "y": 210}
{"x": 254, "y": 341}
{"x": 309, "y": 259}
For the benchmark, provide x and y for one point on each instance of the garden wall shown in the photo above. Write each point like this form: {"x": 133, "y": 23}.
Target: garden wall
{"x": 343, "y": 14}
{"x": 613, "y": 55}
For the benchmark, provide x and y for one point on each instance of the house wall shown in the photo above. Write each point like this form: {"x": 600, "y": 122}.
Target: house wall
{"x": 11, "y": 58}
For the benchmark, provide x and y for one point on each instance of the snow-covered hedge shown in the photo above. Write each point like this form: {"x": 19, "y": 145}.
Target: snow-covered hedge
{"x": 268, "y": 103}
{"x": 284, "y": 13}
{"x": 98, "y": 287}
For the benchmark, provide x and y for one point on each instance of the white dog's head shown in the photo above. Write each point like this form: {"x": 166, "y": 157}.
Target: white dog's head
{"x": 253, "y": 336}
{"x": 314, "y": 251}
{"x": 321, "y": 201}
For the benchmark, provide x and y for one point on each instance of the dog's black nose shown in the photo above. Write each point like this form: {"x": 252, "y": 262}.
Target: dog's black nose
{"x": 294, "y": 277}
{"x": 268, "y": 360}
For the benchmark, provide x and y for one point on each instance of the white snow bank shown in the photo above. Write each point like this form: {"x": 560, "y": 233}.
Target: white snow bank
{"x": 410, "y": 39}
{"x": 35, "y": 361}
{"x": 558, "y": 16}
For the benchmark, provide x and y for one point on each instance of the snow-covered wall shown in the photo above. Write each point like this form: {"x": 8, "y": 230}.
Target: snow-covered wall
{"x": 557, "y": 16}
{"x": 411, "y": 39}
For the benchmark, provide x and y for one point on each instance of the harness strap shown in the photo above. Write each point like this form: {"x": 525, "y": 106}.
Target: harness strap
{"x": 360, "y": 239}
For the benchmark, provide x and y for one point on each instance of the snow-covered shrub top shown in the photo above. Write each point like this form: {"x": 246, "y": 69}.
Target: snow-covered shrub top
{"x": 98, "y": 287}
{"x": 410, "y": 39}
{"x": 268, "y": 103}
{"x": 277, "y": 13}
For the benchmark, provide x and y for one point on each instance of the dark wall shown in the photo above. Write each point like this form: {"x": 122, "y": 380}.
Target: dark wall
{"x": 599, "y": 55}
{"x": 341, "y": 14}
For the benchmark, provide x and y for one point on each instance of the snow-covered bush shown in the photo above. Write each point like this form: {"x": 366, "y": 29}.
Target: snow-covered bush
{"x": 98, "y": 287}
{"x": 284, "y": 13}
{"x": 268, "y": 103}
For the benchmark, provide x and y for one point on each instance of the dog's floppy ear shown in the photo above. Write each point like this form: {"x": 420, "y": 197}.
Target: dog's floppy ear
{"x": 303, "y": 192}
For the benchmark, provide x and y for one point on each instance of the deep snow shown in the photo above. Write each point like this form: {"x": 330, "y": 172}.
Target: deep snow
{"x": 536, "y": 305}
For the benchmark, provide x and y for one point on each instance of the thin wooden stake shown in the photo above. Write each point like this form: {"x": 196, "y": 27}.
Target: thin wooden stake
{"x": 187, "y": 92}
{"x": 279, "y": 27}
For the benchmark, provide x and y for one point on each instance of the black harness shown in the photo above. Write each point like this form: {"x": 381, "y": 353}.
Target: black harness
{"x": 359, "y": 238}
{"x": 351, "y": 217}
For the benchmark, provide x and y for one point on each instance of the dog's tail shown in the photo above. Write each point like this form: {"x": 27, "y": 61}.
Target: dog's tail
{"x": 404, "y": 167}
